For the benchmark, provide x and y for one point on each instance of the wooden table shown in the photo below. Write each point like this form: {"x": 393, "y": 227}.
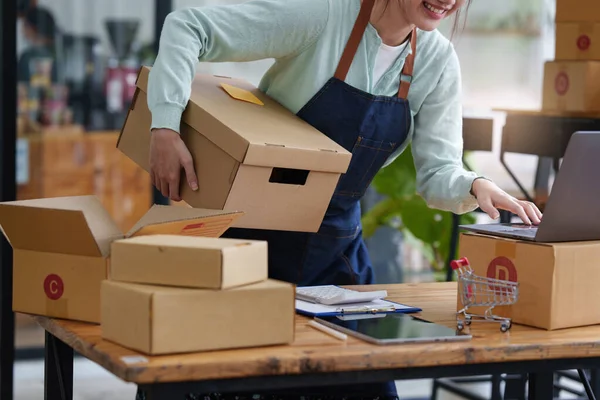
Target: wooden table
{"x": 318, "y": 359}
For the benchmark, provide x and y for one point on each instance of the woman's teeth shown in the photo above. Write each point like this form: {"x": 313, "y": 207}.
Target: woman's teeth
{"x": 434, "y": 9}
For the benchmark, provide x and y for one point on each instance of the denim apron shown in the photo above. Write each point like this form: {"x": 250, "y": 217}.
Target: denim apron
{"x": 372, "y": 128}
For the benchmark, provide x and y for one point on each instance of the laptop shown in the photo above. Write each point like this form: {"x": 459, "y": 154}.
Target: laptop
{"x": 572, "y": 212}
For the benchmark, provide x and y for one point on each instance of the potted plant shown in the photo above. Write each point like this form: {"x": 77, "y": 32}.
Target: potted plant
{"x": 401, "y": 208}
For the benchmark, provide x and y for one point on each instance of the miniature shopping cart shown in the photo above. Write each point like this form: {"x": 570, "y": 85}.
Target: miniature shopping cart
{"x": 477, "y": 291}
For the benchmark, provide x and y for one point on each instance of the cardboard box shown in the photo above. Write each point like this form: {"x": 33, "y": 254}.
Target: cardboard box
{"x": 197, "y": 262}
{"x": 572, "y": 86}
{"x": 62, "y": 248}
{"x": 577, "y": 41}
{"x": 558, "y": 282}
{"x": 261, "y": 159}
{"x": 577, "y": 11}
{"x": 166, "y": 320}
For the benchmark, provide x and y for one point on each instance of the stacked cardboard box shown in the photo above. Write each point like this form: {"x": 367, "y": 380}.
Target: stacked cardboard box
{"x": 172, "y": 294}
{"x": 168, "y": 285}
{"x": 572, "y": 80}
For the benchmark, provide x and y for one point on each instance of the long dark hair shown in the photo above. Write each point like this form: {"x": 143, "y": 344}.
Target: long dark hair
{"x": 457, "y": 16}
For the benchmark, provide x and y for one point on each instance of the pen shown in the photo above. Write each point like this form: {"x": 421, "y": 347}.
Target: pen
{"x": 328, "y": 330}
{"x": 371, "y": 310}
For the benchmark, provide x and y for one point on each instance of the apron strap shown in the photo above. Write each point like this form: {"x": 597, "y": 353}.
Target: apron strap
{"x": 354, "y": 41}
{"x": 409, "y": 65}
{"x": 356, "y": 35}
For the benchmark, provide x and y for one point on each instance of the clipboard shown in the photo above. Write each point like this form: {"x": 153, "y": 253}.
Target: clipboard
{"x": 370, "y": 308}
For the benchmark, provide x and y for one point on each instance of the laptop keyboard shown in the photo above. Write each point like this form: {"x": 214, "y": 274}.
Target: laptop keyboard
{"x": 524, "y": 231}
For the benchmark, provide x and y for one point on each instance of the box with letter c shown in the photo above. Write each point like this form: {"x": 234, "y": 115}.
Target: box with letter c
{"x": 62, "y": 249}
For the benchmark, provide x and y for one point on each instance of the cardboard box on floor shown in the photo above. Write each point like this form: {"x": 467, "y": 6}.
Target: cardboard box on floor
{"x": 62, "y": 248}
{"x": 558, "y": 282}
{"x": 250, "y": 154}
{"x": 166, "y": 320}
{"x": 577, "y": 41}
{"x": 193, "y": 262}
{"x": 577, "y": 11}
{"x": 571, "y": 86}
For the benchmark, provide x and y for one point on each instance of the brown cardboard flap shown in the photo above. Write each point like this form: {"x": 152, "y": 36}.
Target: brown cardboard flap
{"x": 68, "y": 225}
{"x": 265, "y": 136}
{"x": 184, "y": 221}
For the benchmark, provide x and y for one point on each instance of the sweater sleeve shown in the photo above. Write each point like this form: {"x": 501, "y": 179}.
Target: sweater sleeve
{"x": 254, "y": 30}
{"x": 438, "y": 145}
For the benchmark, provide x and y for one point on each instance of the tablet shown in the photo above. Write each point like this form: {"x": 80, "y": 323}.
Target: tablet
{"x": 392, "y": 329}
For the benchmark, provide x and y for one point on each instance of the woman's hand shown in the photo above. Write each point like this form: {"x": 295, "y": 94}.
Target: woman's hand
{"x": 168, "y": 154}
{"x": 491, "y": 198}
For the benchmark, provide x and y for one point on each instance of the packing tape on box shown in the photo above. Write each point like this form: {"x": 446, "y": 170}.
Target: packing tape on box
{"x": 57, "y": 307}
{"x": 506, "y": 249}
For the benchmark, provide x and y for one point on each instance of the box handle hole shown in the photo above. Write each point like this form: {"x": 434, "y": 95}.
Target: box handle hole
{"x": 287, "y": 176}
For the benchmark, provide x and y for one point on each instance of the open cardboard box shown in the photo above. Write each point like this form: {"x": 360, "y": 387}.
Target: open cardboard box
{"x": 558, "y": 282}
{"x": 62, "y": 248}
{"x": 250, "y": 153}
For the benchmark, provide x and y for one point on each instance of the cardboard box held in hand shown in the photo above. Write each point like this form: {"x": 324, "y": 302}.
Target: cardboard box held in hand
{"x": 558, "y": 282}
{"x": 250, "y": 154}
{"x": 62, "y": 248}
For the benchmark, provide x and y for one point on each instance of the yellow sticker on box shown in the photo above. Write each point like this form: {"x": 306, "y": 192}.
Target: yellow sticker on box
{"x": 241, "y": 94}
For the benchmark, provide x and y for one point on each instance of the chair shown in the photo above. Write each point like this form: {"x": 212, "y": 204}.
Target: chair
{"x": 541, "y": 136}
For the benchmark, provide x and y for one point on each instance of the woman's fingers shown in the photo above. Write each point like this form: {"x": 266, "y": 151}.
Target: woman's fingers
{"x": 532, "y": 211}
{"x": 487, "y": 206}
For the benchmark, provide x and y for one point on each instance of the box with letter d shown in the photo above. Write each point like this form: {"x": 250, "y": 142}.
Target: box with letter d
{"x": 558, "y": 282}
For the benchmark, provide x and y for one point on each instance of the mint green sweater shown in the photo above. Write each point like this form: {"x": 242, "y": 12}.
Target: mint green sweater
{"x": 306, "y": 39}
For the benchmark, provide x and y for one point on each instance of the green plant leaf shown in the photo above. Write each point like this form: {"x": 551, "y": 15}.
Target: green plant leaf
{"x": 399, "y": 178}
{"x": 380, "y": 214}
{"x": 427, "y": 229}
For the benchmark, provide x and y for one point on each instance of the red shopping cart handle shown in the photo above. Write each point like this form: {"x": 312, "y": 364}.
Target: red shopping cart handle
{"x": 461, "y": 262}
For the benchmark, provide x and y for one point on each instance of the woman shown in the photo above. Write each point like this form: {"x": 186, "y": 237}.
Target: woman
{"x": 338, "y": 65}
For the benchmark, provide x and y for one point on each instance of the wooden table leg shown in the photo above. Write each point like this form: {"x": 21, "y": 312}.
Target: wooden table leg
{"x": 58, "y": 370}
{"x": 541, "y": 386}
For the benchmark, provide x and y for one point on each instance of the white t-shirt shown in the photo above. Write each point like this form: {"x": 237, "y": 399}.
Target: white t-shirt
{"x": 386, "y": 56}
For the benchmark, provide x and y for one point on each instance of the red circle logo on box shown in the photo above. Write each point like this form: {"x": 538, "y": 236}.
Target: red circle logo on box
{"x": 54, "y": 287}
{"x": 561, "y": 83}
{"x": 583, "y": 42}
{"x": 503, "y": 269}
